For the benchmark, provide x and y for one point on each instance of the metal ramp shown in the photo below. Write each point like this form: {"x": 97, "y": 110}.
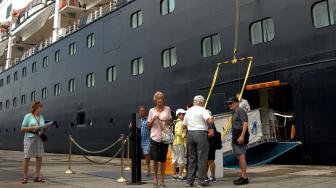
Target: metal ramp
{"x": 260, "y": 154}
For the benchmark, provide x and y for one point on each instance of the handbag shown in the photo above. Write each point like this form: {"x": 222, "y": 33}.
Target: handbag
{"x": 167, "y": 133}
{"x": 43, "y": 136}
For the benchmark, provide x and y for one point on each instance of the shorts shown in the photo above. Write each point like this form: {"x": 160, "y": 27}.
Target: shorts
{"x": 145, "y": 149}
{"x": 212, "y": 153}
{"x": 33, "y": 147}
{"x": 179, "y": 155}
{"x": 239, "y": 149}
{"x": 158, "y": 151}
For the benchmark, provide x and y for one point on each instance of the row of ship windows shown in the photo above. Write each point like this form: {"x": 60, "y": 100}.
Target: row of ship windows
{"x": 323, "y": 14}
{"x": 211, "y": 45}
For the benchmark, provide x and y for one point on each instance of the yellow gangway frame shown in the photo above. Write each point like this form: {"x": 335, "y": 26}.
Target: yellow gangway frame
{"x": 233, "y": 61}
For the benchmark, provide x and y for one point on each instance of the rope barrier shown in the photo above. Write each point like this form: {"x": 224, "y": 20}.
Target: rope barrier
{"x": 128, "y": 155}
{"x": 105, "y": 162}
{"x": 122, "y": 176}
{"x": 94, "y": 152}
{"x": 122, "y": 140}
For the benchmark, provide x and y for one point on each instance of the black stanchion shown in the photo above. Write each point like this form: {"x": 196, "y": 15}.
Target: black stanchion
{"x": 135, "y": 140}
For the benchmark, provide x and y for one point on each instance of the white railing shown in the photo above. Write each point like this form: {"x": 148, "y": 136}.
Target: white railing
{"x": 31, "y": 51}
{"x": 92, "y": 16}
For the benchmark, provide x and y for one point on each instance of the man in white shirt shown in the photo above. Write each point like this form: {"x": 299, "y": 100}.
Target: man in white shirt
{"x": 197, "y": 119}
{"x": 244, "y": 104}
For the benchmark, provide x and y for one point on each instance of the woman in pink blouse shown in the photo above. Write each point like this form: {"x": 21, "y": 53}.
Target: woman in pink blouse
{"x": 158, "y": 118}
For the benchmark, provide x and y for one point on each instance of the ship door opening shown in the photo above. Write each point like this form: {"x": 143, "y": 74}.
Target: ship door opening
{"x": 276, "y": 104}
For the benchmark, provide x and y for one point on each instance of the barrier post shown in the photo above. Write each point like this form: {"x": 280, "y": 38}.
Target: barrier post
{"x": 122, "y": 179}
{"x": 128, "y": 155}
{"x": 69, "y": 171}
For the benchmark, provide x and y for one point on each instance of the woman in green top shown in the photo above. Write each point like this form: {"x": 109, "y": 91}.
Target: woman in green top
{"x": 33, "y": 124}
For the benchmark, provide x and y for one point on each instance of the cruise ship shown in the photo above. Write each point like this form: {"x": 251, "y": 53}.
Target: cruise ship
{"x": 93, "y": 62}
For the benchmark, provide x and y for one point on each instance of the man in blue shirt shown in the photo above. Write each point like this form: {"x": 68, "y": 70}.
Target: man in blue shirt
{"x": 145, "y": 137}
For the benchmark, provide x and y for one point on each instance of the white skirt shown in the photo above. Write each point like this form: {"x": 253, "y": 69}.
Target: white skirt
{"x": 33, "y": 147}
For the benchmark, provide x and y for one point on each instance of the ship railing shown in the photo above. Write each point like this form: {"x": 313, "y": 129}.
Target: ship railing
{"x": 3, "y": 36}
{"x": 73, "y": 3}
{"x": 36, "y": 48}
{"x": 92, "y": 16}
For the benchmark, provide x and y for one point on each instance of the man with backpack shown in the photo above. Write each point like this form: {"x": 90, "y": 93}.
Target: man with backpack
{"x": 214, "y": 143}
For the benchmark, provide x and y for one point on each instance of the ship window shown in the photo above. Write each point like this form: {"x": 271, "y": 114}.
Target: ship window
{"x": 72, "y": 85}
{"x": 111, "y": 74}
{"x": 72, "y": 49}
{"x": 90, "y": 40}
{"x": 8, "y": 79}
{"x": 57, "y": 56}
{"x": 7, "y": 104}
{"x": 136, "y": 19}
{"x": 211, "y": 45}
{"x": 44, "y": 93}
{"x": 24, "y": 72}
{"x": 324, "y": 13}
{"x": 90, "y": 80}
{"x": 45, "y": 62}
{"x": 81, "y": 118}
{"x": 23, "y": 99}
{"x": 14, "y": 102}
{"x": 167, "y": 6}
{"x": 57, "y": 89}
{"x": 1, "y": 83}
{"x": 9, "y": 10}
{"x": 137, "y": 66}
{"x": 0, "y": 105}
{"x": 262, "y": 31}
{"x": 15, "y": 76}
{"x": 33, "y": 96}
{"x": 34, "y": 67}
{"x": 169, "y": 58}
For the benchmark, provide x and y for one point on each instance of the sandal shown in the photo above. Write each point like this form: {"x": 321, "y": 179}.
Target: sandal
{"x": 39, "y": 179}
{"x": 24, "y": 180}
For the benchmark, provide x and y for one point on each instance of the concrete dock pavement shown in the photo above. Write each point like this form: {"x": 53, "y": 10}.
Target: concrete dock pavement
{"x": 89, "y": 175}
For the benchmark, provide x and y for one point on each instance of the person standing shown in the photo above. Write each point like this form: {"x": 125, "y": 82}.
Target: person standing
{"x": 239, "y": 137}
{"x": 179, "y": 145}
{"x": 32, "y": 126}
{"x": 212, "y": 152}
{"x": 244, "y": 104}
{"x": 159, "y": 118}
{"x": 196, "y": 120}
{"x": 145, "y": 137}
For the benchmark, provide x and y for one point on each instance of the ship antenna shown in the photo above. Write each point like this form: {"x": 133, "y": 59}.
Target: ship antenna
{"x": 235, "y": 49}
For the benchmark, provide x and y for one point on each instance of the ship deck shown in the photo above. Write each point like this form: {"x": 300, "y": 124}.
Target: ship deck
{"x": 90, "y": 175}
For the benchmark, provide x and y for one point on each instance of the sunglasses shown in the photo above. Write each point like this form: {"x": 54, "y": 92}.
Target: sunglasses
{"x": 229, "y": 103}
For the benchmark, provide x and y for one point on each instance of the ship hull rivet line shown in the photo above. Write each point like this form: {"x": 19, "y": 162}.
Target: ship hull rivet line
{"x": 69, "y": 171}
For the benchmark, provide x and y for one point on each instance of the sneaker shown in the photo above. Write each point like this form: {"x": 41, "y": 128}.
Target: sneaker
{"x": 206, "y": 179}
{"x": 203, "y": 184}
{"x": 188, "y": 184}
{"x": 212, "y": 179}
{"x": 175, "y": 177}
{"x": 241, "y": 181}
